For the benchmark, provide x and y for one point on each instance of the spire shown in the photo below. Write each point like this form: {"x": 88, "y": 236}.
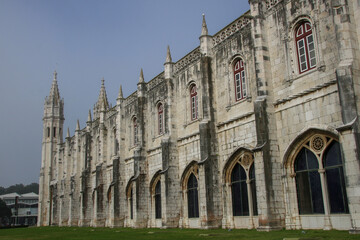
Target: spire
{"x": 120, "y": 96}
{"x": 102, "y": 103}
{"x": 78, "y": 125}
{"x": 204, "y": 30}
{"x": 168, "y": 55}
{"x": 89, "y": 116}
{"x": 54, "y": 91}
{"x": 141, "y": 79}
{"x": 168, "y": 65}
{"x": 68, "y": 133}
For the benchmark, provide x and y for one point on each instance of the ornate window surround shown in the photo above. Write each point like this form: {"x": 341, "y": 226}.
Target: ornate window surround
{"x": 232, "y": 99}
{"x": 153, "y": 184}
{"x": 245, "y": 159}
{"x": 317, "y": 141}
{"x": 290, "y": 49}
{"x": 192, "y": 168}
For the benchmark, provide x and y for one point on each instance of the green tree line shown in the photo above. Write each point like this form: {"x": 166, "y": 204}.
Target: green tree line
{"x": 20, "y": 188}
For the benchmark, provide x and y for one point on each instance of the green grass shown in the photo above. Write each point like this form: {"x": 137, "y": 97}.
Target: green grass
{"x": 77, "y": 233}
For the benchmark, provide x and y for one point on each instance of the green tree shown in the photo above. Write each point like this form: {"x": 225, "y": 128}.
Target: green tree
{"x": 5, "y": 213}
{"x": 20, "y": 189}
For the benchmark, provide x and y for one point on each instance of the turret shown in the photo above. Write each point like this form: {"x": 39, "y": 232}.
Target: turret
{"x": 120, "y": 97}
{"x": 141, "y": 85}
{"x": 168, "y": 65}
{"x": 206, "y": 42}
{"x": 53, "y": 121}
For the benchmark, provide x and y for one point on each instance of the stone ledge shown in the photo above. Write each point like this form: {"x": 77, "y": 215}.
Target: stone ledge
{"x": 303, "y": 93}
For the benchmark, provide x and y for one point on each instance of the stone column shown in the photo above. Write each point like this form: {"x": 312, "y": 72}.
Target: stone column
{"x": 251, "y": 206}
{"x": 352, "y": 173}
{"x": 327, "y": 221}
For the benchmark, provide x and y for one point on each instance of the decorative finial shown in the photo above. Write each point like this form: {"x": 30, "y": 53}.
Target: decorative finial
{"x": 78, "y": 125}
{"x": 120, "y": 96}
{"x": 89, "y": 116}
{"x": 141, "y": 79}
{"x": 55, "y": 75}
{"x": 68, "y": 133}
{"x": 168, "y": 55}
{"x": 204, "y": 30}
{"x": 102, "y": 81}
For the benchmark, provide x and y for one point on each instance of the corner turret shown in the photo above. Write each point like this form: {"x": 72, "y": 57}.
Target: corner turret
{"x": 206, "y": 41}
{"x": 168, "y": 65}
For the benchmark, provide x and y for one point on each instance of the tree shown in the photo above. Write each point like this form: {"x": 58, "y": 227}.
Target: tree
{"x": 20, "y": 189}
{"x": 5, "y": 213}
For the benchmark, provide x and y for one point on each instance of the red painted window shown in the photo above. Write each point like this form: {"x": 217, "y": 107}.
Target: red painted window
{"x": 161, "y": 118}
{"x": 305, "y": 47}
{"x": 194, "y": 102}
{"x": 240, "y": 80}
{"x": 135, "y": 131}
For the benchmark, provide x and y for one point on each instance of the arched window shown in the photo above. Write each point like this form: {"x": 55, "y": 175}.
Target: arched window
{"x": 157, "y": 198}
{"x": 240, "y": 80}
{"x": 308, "y": 183}
{"x": 194, "y": 102}
{"x": 240, "y": 184}
{"x": 239, "y": 191}
{"x": 320, "y": 156}
{"x": 160, "y": 118}
{"x": 305, "y": 47}
{"x": 48, "y": 132}
{"x": 335, "y": 179}
{"x": 192, "y": 194}
{"x": 135, "y": 128}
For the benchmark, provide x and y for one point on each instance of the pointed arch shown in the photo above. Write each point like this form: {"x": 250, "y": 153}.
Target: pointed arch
{"x": 232, "y": 159}
{"x": 192, "y": 167}
{"x": 154, "y": 180}
{"x": 295, "y": 146}
{"x": 190, "y": 182}
{"x": 155, "y": 192}
{"x": 130, "y": 198}
{"x": 314, "y": 166}
{"x": 239, "y": 179}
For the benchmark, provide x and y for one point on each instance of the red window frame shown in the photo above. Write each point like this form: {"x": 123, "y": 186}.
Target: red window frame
{"x": 160, "y": 118}
{"x": 135, "y": 126}
{"x": 193, "y": 102}
{"x": 240, "y": 80}
{"x": 305, "y": 47}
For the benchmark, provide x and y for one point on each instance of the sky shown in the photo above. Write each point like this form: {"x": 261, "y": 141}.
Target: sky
{"x": 85, "y": 41}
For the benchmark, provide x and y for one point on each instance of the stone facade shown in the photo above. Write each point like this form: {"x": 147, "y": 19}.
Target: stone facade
{"x": 195, "y": 119}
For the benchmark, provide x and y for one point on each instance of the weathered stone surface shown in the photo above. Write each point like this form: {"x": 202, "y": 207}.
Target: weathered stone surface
{"x": 93, "y": 177}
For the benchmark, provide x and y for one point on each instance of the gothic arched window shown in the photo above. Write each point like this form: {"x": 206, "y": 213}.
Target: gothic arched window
{"x": 192, "y": 194}
{"x": 157, "y": 197}
{"x": 239, "y": 191}
{"x": 240, "y": 80}
{"x": 160, "y": 118}
{"x": 320, "y": 160}
{"x": 335, "y": 179}
{"x": 194, "y": 102}
{"x": 308, "y": 183}
{"x": 305, "y": 46}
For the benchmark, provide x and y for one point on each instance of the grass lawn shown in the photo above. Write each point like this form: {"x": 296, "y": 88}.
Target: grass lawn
{"x": 86, "y": 233}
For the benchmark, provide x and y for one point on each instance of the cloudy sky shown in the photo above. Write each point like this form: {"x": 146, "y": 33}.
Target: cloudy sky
{"x": 85, "y": 40}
